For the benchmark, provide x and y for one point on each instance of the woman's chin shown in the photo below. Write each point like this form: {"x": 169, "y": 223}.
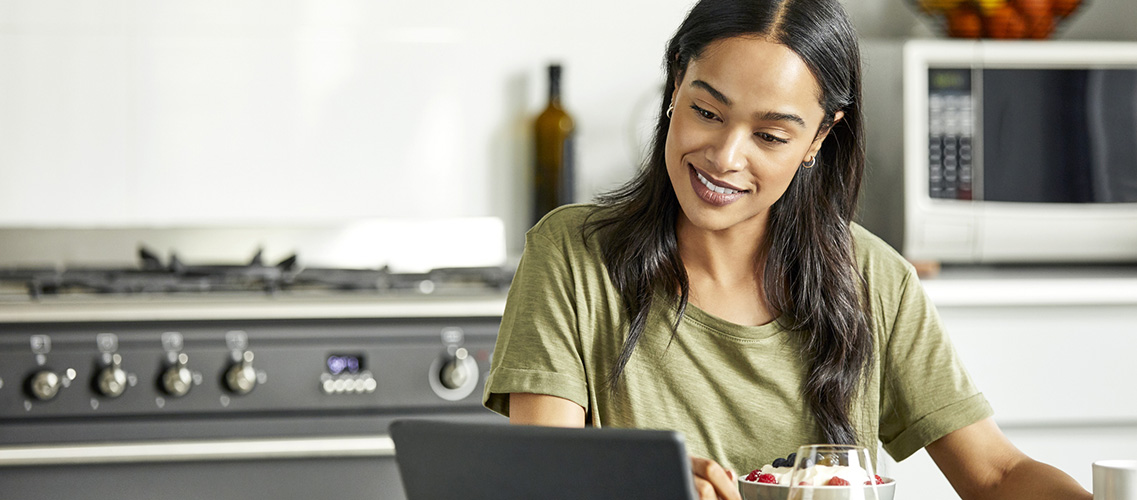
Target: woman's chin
{"x": 718, "y": 219}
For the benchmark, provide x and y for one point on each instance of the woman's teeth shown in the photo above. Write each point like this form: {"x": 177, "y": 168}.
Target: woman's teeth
{"x": 713, "y": 187}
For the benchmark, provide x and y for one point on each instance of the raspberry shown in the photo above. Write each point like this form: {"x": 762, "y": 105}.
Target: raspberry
{"x": 753, "y": 475}
{"x": 767, "y": 478}
{"x": 836, "y": 481}
{"x": 878, "y": 479}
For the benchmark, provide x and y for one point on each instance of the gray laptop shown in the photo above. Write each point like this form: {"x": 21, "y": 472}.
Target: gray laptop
{"x": 465, "y": 461}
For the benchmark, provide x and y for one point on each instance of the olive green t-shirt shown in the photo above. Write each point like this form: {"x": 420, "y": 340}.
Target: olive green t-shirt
{"x": 734, "y": 392}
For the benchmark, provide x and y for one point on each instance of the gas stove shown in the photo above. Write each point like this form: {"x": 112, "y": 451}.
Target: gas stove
{"x": 171, "y": 367}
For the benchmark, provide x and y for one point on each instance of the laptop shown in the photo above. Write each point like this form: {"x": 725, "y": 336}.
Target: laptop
{"x": 478, "y": 461}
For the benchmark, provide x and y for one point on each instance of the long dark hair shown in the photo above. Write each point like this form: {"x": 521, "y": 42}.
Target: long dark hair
{"x": 810, "y": 276}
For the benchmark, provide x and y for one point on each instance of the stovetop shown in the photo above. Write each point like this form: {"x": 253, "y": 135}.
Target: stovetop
{"x": 174, "y": 279}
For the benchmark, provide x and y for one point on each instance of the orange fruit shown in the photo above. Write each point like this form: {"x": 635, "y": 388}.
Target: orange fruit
{"x": 1063, "y": 8}
{"x": 1016, "y": 25}
{"x": 964, "y": 21}
{"x": 1039, "y": 27}
{"x": 1031, "y": 9}
{"x": 1038, "y": 16}
{"x": 1004, "y": 22}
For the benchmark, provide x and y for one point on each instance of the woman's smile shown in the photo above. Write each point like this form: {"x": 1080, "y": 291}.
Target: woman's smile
{"x": 714, "y": 192}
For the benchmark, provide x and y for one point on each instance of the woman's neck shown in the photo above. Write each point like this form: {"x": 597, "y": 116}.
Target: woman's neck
{"x": 725, "y": 256}
{"x": 724, "y": 270}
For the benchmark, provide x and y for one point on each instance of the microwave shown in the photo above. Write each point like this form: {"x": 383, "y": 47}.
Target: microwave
{"x": 992, "y": 151}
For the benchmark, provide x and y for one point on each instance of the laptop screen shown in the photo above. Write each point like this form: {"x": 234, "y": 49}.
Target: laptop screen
{"x": 467, "y": 461}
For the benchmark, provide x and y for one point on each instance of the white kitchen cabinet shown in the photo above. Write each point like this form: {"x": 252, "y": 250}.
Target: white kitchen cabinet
{"x": 1053, "y": 351}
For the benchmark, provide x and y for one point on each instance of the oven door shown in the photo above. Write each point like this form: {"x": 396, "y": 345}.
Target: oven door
{"x": 342, "y": 467}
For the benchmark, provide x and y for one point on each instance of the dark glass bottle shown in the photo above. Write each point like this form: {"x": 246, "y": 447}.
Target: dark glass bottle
{"x": 553, "y": 176}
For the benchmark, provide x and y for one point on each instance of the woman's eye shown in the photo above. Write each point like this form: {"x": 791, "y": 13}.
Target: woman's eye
{"x": 770, "y": 138}
{"x": 704, "y": 113}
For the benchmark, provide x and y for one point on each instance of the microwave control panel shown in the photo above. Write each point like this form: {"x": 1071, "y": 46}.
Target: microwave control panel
{"x": 950, "y": 134}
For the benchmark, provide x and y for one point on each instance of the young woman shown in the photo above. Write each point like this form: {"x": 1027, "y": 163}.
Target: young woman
{"x": 726, "y": 293}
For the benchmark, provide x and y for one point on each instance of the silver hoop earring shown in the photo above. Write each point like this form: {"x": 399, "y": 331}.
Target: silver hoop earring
{"x": 670, "y": 110}
{"x": 809, "y": 164}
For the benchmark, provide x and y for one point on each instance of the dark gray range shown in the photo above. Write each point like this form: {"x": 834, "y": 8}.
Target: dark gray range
{"x": 252, "y": 381}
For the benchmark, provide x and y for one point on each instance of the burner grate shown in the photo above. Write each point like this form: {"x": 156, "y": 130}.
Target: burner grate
{"x": 176, "y": 277}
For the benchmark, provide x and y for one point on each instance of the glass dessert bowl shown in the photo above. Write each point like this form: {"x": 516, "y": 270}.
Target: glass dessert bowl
{"x": 818, "y": 472}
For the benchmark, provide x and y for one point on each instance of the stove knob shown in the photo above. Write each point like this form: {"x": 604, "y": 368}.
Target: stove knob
{"x": 111, "y": 380}
{"x": 177, "y": 380}
{"x": 44, "y": 385}
{"x": 241, "y": 377}
{"x": 454, "y": 371}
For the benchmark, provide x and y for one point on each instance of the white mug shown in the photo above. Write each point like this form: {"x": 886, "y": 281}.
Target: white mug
{"x": 1115, "y": 480}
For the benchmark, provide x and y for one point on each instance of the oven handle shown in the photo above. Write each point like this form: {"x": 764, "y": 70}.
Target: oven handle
{"x": 197, "y": 450}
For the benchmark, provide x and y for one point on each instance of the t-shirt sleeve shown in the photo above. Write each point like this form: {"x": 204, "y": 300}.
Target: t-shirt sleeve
{"x": 926, "y": 391}
{"x": 538, "y": 346}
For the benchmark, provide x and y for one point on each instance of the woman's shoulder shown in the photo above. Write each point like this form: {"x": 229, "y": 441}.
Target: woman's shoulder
{"x": 565, "y": 241}
{"x": 563, "y": 216}
{"x": 877, "y": 261}
{"x": 566, "y": 223}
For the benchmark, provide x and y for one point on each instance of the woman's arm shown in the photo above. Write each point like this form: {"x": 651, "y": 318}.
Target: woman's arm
{"x": 542, "y": 409}
{"x": 712, "y": 482}
{"x": 980, "y": 462}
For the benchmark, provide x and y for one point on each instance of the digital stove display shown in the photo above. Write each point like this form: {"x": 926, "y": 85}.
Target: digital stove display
{"x": 339, "y": 364}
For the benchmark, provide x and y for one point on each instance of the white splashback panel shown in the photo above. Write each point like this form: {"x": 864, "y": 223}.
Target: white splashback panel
{"x": 165, "y": 113}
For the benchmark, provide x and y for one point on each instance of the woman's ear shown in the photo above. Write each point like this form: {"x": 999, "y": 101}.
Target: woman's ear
{"x": 837, "y": 116}
{"x": 822, "y": 134}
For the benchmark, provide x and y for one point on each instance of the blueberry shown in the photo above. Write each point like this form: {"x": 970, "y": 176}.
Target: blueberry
{"x": 779, "y": 462}
{"x": 791, "y": 458}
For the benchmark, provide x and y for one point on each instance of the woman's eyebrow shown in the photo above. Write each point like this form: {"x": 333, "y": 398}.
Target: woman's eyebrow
{"x": 713, "y": 91}
{"x": 780, "y": 117}
{"x": 766, "y": 116}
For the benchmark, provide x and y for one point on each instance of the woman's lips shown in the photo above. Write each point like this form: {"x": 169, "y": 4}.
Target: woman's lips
{"x": 712, "y": 196}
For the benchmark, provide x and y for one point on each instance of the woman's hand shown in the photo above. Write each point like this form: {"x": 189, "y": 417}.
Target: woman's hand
{"x": 712, "y": 481}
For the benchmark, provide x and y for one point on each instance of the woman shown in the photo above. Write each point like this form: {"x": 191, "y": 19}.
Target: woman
{"x": 725, "y": 292}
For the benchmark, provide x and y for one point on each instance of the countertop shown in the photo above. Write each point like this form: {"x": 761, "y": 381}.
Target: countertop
{"x": 251, "y": 306}
{"x": 1032, "y": 285}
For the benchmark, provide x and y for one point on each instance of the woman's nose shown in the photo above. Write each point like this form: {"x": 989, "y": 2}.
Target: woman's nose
{"x": 728, "y": 152}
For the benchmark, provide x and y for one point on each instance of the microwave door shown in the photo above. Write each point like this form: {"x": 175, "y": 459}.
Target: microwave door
{"x": 1059, "y": 136}
{"x": 1111, "y": 103}
{"x": 1036, "y": 145}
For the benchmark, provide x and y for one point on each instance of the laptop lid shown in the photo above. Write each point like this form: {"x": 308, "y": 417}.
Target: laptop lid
{"x": 468, "y": 461}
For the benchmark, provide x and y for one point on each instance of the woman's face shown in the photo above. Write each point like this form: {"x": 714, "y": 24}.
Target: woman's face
{"x": 746, "y": 116}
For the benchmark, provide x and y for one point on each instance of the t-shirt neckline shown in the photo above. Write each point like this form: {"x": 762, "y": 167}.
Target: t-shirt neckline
{"x": 703, "y": 320}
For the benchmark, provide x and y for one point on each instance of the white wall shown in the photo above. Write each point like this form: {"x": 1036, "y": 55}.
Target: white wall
{"x": 121, "y": 112}
{"x": 169, "y": 113}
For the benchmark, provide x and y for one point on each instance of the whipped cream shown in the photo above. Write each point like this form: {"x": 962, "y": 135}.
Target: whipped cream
{"x": 818, "y": 475}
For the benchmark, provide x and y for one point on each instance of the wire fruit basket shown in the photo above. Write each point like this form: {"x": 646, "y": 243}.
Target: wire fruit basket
{"x": 1008, "y": 19}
